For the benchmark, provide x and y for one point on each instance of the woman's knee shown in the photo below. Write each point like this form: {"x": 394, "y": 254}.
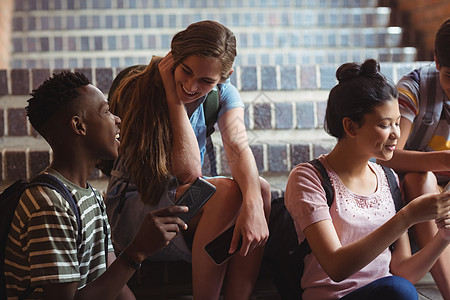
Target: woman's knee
{"x": 395, "y": 287}
{"x": 228, "y": 189}
{"x": 266, "y": 195}
{"x": 416, "y": 184}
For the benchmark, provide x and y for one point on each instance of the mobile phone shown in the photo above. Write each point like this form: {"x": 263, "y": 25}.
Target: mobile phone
{"x": 194, "y": 197}
{"x": 218, "y": 248}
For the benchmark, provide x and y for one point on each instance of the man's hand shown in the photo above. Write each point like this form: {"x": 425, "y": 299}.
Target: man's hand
{"x": 158, "y": 228}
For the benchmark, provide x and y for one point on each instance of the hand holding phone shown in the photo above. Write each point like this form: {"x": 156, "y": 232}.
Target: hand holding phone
{"x": 218, "y": 248}
{"x": 194, "y": 197}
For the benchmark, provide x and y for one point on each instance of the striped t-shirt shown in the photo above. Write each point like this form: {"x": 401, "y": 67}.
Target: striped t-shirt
{"x": 409, "y": 103}
{"x": 42, "y": 243}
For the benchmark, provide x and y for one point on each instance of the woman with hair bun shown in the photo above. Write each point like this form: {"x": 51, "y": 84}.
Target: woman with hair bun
{"x": 350, "y": 241}
{"x": 163, "y": 137}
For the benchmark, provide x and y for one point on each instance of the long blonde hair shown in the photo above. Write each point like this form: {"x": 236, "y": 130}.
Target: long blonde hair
{"x": 140, "y": 101}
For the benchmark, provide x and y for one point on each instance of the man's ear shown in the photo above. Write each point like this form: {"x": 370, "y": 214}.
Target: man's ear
{"x": 438, "y": 65}
{"x": 77, "y": 125}
{"x": 350, "y": 126}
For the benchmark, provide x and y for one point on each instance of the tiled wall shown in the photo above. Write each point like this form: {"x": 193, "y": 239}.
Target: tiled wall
{"x": 278, "y": 99}
{"x": 115, "y": 33}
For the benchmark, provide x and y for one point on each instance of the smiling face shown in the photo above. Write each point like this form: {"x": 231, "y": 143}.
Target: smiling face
{"x": 380, "y": 131}
{"x": 196, "y": 76}
{"x": 102, "y": 130}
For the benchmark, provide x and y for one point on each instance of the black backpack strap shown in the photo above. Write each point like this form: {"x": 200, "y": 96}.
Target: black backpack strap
{"x": 304, "y": 247}
{"x": 326, "y": 182}
{"x": 395, "y": 189}
{"x": 395, "y": 192}
{"x": 283, "y": 255}
{"x": 211, "y": 107}
{"x": 53, "y": 183}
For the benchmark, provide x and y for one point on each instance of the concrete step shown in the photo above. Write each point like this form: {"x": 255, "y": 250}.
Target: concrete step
{"x": 77, "y": 34}
{"x": 23, "y": 5}
{"x": 267, "y": 38}
{"x": 164, "y": 21}
{"x": 77, "y": 58}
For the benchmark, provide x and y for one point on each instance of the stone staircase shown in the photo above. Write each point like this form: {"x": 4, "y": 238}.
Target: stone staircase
{"x": 113, "y": 33}
{"x": 288, "y": 52}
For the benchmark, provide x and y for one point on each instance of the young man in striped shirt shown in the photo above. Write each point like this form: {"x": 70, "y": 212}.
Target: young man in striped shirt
{"x": 45, "y": 257}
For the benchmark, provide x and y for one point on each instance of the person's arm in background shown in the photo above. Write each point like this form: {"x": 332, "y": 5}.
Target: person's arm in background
{"x": 186, "y": 163}
{"x": 415, "y": 161}
{"x": 405, "y": 161}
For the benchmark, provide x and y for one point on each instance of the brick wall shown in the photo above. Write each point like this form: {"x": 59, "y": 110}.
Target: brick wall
{"x": 422, "y": 18}
{"x": 6, "y": 10}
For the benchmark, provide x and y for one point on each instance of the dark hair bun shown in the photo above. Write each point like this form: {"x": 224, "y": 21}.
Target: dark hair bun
{"x": 370, "y": 67}
{"x": 352, "y": 70}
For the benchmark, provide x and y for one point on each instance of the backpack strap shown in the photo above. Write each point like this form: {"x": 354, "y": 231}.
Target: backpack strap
{"x": 430, "y": 108}
{"x": 304, "y": 247}
{"x": 53, "y": 183}
{"x": 211, "y": 107}
{"x": 395, "y": 192}
{"x": 395, "y": 189}
{"x": 326, "y": 182}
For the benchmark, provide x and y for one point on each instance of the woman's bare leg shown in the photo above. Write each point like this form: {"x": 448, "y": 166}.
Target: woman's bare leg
{"x": 416, "y": 184}
{"x": 217, "y": 215}
{"x": 242, "y": 272}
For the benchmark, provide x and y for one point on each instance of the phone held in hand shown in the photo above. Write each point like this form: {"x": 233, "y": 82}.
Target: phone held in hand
{"x": 218, "y": 248}
{"x": 194, "y": 197}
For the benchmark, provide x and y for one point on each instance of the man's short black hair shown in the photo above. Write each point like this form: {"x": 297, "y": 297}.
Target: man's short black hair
{"x": 442, "y": 44}
{"x": 52, "y": 95}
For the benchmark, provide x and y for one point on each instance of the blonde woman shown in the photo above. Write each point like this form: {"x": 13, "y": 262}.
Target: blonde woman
{"x": 163, "y": 137}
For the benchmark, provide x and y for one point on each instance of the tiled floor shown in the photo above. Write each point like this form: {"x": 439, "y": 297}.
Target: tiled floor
{"x": 427, "y": 289}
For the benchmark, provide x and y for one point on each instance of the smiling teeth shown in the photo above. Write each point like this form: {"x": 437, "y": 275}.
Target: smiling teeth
{"x": 187, "y": 92}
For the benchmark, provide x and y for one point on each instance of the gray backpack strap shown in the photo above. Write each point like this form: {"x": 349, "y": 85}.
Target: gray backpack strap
{"x": 430, "y": 108}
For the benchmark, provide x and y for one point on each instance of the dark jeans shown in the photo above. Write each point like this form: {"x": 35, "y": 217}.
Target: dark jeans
{"x": 386, "y": 288}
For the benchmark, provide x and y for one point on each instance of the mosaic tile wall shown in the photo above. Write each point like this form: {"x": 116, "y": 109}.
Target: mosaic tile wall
{"x": 298, "y": 109}
{"x": 114, "y": 33}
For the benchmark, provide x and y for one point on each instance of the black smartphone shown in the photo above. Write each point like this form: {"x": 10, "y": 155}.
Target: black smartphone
{"x": 194, "y": 197}
{"x": 218, "y": 248}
